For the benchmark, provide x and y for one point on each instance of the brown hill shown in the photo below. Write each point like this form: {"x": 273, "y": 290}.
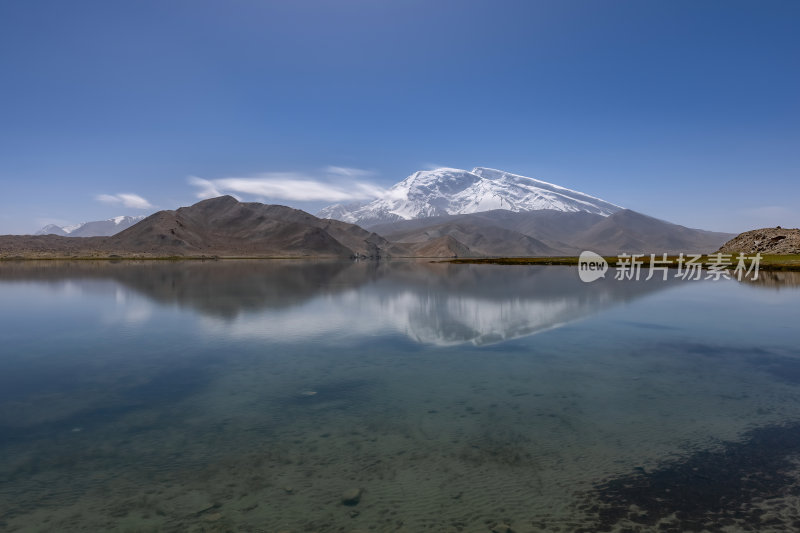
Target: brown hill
{"x": 225, "y": 226}
{"x": 550, "y": 227}
{"x": 475, "y": 239}
{"x": 442, "y": 246}
{"x": 629, "y": 231}
{"x": 772, "y": 241}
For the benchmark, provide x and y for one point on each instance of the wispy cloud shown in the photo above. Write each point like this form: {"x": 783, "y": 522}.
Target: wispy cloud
{"x": 127, "y": 199}
{"x": 206, "y": 188}
{"x": 349, "y": 172}
{"x": 333, "y": 184}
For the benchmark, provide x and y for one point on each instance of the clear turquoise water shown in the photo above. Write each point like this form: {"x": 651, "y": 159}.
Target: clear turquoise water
{"x": 249, "y": 396}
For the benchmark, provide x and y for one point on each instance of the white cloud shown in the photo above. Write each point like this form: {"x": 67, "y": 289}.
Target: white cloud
{"x": 294, "y": 186}
{"x": 127, "y": 199}
{"x": 349, "y": 172}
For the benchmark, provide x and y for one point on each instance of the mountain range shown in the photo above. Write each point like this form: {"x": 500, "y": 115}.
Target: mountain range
{"x": 96, "y": 228}
{"x": 438, "y": 213}
{"x": 491, "y": 212}
{"x": 555, "y": 233}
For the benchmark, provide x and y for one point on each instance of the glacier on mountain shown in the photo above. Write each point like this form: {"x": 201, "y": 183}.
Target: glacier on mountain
{"x": 452, "y": 191}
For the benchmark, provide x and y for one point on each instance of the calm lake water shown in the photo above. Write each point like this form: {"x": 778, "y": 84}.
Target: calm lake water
{"x": 252, "y": 395}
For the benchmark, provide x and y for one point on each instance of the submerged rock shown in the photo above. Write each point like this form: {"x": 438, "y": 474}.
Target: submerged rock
{"x": 352, "y": 497}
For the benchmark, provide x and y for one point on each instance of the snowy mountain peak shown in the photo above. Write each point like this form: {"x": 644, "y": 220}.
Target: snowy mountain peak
{"x": 97, "y": 228}
{"x": 452, "y": 191}
{"x": 72, "y": 228}
{"x": 51, "y": 229}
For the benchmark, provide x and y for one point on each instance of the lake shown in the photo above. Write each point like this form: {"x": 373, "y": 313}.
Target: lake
{"x": 394, "y": 396}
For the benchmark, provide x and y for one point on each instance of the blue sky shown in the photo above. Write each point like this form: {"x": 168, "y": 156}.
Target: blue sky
{"x": 684, "y": 110}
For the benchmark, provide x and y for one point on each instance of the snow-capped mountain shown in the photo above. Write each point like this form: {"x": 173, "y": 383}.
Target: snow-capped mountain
{"x": 96, "y": 228}
{"x": 452, "y": 191}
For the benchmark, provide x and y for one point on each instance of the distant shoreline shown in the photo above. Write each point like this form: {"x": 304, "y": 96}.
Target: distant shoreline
{"x": 768, "y": 262}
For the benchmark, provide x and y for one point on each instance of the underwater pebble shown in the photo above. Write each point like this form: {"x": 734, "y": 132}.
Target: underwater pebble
{"x": 351, "y": 497}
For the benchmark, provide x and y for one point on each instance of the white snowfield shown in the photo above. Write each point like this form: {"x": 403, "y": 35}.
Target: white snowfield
{"x": 452, "y": 191}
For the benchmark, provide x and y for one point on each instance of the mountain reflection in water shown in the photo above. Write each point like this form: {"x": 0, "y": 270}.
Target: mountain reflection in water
{"x": 432, "y": 303}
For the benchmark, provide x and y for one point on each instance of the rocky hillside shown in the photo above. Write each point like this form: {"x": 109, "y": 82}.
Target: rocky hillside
{"x": 468, "y": 240}
{"x": 555, "y": 233}
{"x": 225, "y": 226}
{"x": 767, "y": 241}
